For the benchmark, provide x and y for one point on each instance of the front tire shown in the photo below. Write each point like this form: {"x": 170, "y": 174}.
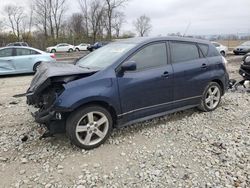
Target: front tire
{"x": 211, "y": 97}
{"x": 89, "y": 127}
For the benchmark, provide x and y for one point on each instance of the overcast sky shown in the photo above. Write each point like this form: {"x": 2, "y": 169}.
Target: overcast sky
{"x": 171, "y": 16}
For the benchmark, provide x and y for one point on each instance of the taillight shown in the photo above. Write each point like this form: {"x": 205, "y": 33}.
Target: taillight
{"x": 53, "y": 56}
{"x": 225, "y": 62}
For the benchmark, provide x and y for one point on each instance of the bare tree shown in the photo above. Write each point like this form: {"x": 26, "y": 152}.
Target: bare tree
{"x": 31, "y": 13}
{"x": 41, "y": 13}
{"x": 143, "y": 25}
{"x": 58, "y": 9}
{"x": 96, "y": 13}
{"x": 76, "y": 23}
{"x": 111, "y": 6}
{"x": 49, "y": 16}
{"x": 118, "y": 20}
{"x": 84, "y": 4}
{"x": 15, "y": 17}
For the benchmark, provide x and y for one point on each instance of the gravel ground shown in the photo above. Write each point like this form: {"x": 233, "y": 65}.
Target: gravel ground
{"x": 185, "y": 149}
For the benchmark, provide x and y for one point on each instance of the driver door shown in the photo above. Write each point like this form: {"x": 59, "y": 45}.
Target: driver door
{"x": 149, "y": 89}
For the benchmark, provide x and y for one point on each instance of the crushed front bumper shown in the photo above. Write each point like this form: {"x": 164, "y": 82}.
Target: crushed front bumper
{"x": 53, "y": 120}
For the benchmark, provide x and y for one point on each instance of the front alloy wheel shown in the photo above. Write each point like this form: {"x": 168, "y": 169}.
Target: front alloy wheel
{"x": 211, "y": 97}
{"x": 89, "y": 127}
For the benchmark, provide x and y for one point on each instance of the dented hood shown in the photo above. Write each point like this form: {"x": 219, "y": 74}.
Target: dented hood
{"x": 47, "y": 70}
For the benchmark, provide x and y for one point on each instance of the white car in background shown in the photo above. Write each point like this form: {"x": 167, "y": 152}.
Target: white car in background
{"x": 81, "y": 47}
{"x": 221, "y": 48}
{"x": 62, "y": 47}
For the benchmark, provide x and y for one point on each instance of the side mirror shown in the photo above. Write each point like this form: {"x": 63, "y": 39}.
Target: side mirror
{"x": 128, "y": 66}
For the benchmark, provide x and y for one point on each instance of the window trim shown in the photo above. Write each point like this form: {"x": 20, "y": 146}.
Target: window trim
{"x": 118, "y": 68}
{"x": 15, "y": 52}
{"x": 203, "y": 55}
{"x": 187, "y": 42}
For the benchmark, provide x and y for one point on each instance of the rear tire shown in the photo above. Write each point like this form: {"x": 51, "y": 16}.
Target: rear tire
{"x": 211, "y": 97}
{"x": 53, "y": 51}
{"x": 89, "y": 127}
{"x": 223, "y": 53}
{"x": 35, "y": 66}
{"x": 70, "y": 50}
{"x": 77, "y": 49}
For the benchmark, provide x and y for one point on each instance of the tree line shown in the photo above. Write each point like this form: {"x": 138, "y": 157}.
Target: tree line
{"x": 47, "y": 22}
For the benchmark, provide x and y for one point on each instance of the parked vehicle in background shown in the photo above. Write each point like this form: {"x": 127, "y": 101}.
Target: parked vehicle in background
{"x": 126, "y": 82}
{"x": 18, "y": 44}
{"x": 96, "y": 46}
{"x": 81, "y": 47}
{"x": 244, "y": 48}
{"x": 221, "y": 48}
{"x": 17, "y": 60}
{"x": 62, "y": 47}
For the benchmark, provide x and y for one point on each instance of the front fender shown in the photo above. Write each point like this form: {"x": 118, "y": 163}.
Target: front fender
{"x": 104, "y": 90}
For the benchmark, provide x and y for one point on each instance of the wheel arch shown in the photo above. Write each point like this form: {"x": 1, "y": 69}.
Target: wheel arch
{"x": 218, "y": 81}
{"x": 36, "y": 64}
{"x": 103, "y": 104}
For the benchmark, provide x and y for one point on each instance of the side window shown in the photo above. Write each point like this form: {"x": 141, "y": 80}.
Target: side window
{"x": 183, "y": 51}
{"x": 154, "y": 55}
{"x": 6, "y": 52}
{"x": 213, "y": 51}
{"x": 216, "y": 44}
{"x": 33, "y": 52}
{"x": 20, "y": 52}
{"x": 204, "y": 49}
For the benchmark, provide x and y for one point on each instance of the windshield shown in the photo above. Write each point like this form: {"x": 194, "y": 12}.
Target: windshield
{"x": 105, "y": 56}
{"x": 246, "y": 43}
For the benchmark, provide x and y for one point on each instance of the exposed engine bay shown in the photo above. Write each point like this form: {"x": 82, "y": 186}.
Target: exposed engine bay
{"x": 47, "y": 84}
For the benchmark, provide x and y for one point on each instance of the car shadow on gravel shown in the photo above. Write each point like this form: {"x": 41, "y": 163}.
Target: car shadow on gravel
{"x": 16, "y": 75}
{"x": 128, "y": 131}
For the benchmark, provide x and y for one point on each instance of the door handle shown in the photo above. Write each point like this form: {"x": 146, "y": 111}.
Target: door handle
{"x": 204, "y": 66}
{"x": 165, "y": 74}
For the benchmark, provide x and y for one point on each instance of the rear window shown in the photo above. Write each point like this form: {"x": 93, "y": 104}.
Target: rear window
{"x": 212, "y": 52}
{"x": 183, "y": 51}
{"x": 204, "y": 49}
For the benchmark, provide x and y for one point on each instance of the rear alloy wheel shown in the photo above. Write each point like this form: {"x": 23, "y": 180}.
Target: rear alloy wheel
{"x": 70, "y": 50}
{"x": 89, "y": 127}
{"x": 211, "y": 97}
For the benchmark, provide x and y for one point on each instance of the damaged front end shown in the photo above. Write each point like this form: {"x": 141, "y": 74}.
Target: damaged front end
{"x": 47, "y": 85}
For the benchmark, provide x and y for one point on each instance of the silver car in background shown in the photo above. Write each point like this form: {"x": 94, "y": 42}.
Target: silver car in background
{"x": 221, "y": 48}
{"x": 19, "y": 59}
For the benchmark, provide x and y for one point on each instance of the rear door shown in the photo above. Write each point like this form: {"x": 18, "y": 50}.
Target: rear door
{"x": 191, "y": 73}
{"x": 6, "y": 61}
{"x": 61, "y": 48}
{"x": 24, "y": 60}
{"x": 149, "y": 89}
